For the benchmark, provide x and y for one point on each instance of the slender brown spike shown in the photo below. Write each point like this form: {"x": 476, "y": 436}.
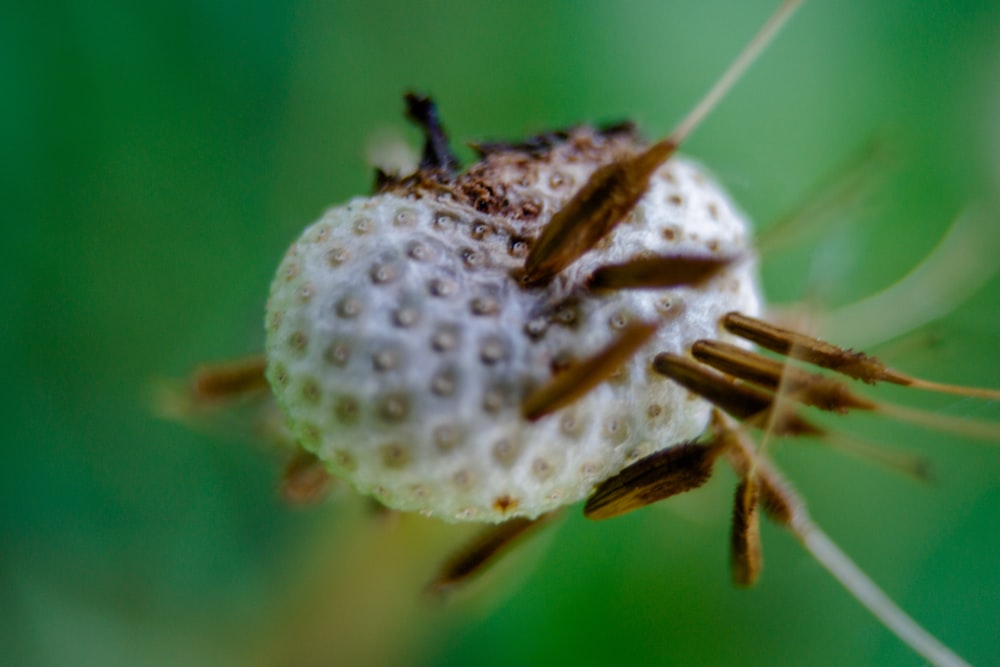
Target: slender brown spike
{"x": 812, "y": 389}
{"x": 230, "y": 379}
{"x": 830, "y": 394}
{"x": 305, "y": 480}
{"x": 853, "y": 364}
{"x": 658, "y": 476}
{"x": 744, "y": 541}
{"x": 605, "y": 199}
{"x": 657, "y": 272}
{"x": 742, "y": 401}
{"x": 481, "y": 552}
{"x": 577, "y": 380}
{"x": 901, "y": 462}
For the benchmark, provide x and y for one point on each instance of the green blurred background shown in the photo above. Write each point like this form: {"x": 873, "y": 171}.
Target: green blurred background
{"x": 157, "y": 159}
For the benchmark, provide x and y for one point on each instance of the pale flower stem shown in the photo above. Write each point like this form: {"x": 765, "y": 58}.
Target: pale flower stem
{"x": 867, "y": 592}
{"x": 870, "y": 595}
{"x": 839, "y": 564}
{"x": 734, "y": 72}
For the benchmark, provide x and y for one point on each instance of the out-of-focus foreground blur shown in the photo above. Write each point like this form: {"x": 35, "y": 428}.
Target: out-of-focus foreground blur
{"x": 158, "y": 158}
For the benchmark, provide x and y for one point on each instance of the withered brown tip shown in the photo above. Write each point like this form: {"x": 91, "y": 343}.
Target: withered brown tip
{"x": 437, "y": 151}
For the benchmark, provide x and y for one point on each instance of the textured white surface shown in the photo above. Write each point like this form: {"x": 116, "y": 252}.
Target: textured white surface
{"x": 400, "y": 348}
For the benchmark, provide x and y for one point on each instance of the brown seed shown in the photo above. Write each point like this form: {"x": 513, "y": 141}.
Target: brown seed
{"x": 825, "y": 393}
{"x": 230, "y": 379}
{"x": 576, "y": 381}
{"x": 305, "y": 480}
{"x": 605, "y": 199}
{"x": 857, "y": 365}
{"x": 745, "y": 535}
{"x": 483, "y": 549}
{"x": 657, "y": 272}
{"x": 666, "y": 473}
{"x": 742, "y": 401}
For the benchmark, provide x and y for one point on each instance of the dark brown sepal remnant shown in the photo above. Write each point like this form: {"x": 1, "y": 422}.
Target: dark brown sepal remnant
{"x": 853, "y": 364}
{"x": 230, "y": 380}
{"x": 437, "y": 151}
{"x": 658, "y": 272}
{"x": 605, "y": 199}
{"x": 481, "y": 552}
{"x": 819, "y": 391}
{"x": 577, "y": 380}
{"x": 617, "y": 128}
{"x": 740, "y": 400}
{"x": 666, "y": 473}
{"x": 535, "y": 146}
{"x": 306, "y": 479}
{"x": 745, "y": 536}
{"x": 541, "y": 144}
